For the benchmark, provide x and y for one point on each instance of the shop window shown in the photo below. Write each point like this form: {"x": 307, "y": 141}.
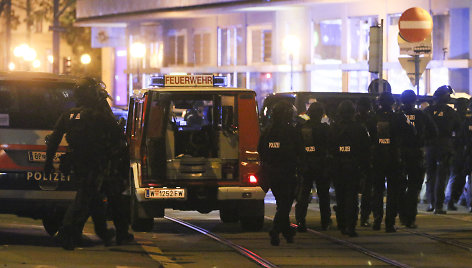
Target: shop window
{"x": 261, "y": 45}
{"x": 202, "y": 48}
{"x": 326, "y": 81}
{"x": 326, "y": 41}
{"x": 230, "y": 46}
{"x": 176, "y": 48}
{"x": 358, "y": 81}
{"x": 359, "y": 28}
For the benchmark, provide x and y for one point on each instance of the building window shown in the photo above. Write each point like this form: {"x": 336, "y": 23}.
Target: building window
{"x": 326, "y": 41}
{"x": 230, "y": 46}
{"x": 176, "y": 48}
{"x": 202, "y": 48}
{"x": 260, "y": 44}
{"x": 359, "y": 28}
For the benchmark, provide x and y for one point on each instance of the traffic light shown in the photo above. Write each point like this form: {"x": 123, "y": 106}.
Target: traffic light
{"x": 66, "y": 65}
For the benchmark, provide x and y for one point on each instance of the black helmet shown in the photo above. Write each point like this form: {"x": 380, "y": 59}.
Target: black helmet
{"x": 364, "y": 104}
{"x": 443, "y": 94}
{"x": 386, "y": 99}
{"x": 90, "y": 91}
{"x": 375, "y": 85}
{"x": 316, "y": 110}
{"x": 461, "y": 104}
{"x": 345, "y": 110}
{"x": 282, "y": 112}
{"x": 408, "y": 97}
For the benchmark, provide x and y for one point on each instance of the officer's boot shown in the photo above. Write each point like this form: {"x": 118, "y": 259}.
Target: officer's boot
{"x": 274, "y": 238}
{"x": 66, "y": 239}
{"x": 289, "y": 234}
{"x": 301, "y": 226}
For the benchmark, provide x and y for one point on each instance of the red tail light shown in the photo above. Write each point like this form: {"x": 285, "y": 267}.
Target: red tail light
{"x": 253, "y": 179}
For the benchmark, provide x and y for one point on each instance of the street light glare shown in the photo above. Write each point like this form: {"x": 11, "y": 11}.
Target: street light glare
{"x": 50, "y": 58}
{"x": 11, "y": 66}
{"x": 29, "y": 54}
{"x": 291, "y": 43}
{"x": 85, "y": 59}
{"x": 138, "y": 50}
{"x": 36, "y": 64}
{"x": 20, "y": 50}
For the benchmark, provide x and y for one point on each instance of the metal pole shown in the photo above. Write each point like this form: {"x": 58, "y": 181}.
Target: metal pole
{"x": 55, "y": 39}
{"x": 8, "y": 34}
{"x": 291, "y": 72}
{"x": 417, "y": 74}
{"x": 380, "y": 84}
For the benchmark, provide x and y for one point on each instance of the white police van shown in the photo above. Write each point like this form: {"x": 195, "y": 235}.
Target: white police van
{"x": 30, "y": 104}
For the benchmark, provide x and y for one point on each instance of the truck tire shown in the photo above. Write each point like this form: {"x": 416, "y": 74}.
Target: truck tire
{"x": 139, "y": 224}
{"x": 52, "y": 221}
{"x": 251, "y": 215}
{"x": 229, "y": 212}
{"x": 252, "y": 224}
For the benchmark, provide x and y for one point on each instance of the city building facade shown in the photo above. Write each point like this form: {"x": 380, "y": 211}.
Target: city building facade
{"x": 273, "y": 46}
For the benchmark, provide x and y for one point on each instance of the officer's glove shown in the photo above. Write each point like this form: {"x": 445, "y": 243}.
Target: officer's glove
{"x": 48, "y": 169}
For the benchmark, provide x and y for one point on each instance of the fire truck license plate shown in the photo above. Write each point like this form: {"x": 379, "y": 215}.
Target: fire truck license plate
{"x": 163, "y": 193}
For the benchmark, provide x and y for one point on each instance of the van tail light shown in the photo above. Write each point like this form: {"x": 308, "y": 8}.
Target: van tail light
{"x": 253, "y": 179}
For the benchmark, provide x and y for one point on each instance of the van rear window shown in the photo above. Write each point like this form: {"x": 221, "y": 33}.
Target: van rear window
{"x": 33, "y": 105}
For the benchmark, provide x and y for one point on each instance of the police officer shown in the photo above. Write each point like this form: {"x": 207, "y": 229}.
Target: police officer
{"x": 365, "y": 116}
{"x": 390, "y": 129}
{"x": 349, "y": 146}
{"x": 413, "y": 157}
{"x": 315, "y": 136}
{"x": 280, "y": 149}
{"x": 458, "y": 173}
{"x": 88, "y": 129}
{"x": 467, "y": 138}
{"x": 439, "y": 150}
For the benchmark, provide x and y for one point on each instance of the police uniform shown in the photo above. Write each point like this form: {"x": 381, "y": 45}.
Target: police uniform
{"x": 315, "y": 137}
{"x": 280, "y": 148}
{"x": 440, "y": 149}
{"x": 365, "y": 116}
{"x": 349, "y": 147}
{"x": 390, "y": 129}
{"x": 413, "y": 157}
{"x": 88, "y": 129}
{"x": 467, "y": 138}
{"x": 458, "y": 173}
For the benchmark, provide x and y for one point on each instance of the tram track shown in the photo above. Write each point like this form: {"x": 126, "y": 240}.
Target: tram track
{"x": 356, "y": 247}
{"x": 451, "y": 242}
{"x": 238, "y": 248}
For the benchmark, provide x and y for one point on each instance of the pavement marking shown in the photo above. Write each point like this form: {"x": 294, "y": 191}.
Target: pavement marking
{"x": 156, "y": 254}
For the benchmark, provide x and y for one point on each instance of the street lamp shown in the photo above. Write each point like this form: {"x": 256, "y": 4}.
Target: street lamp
{"x": 85, "y": 59}
{"x": 138, "y": 50}
{"x": 291, "y": 45}
{"x": 24, "y": 51}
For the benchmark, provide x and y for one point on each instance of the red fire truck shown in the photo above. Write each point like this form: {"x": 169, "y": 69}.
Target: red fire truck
{"x": 193, "y": 146}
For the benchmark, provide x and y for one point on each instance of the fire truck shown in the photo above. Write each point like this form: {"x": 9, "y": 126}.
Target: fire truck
{"x": 30, "y": 104}
{"x": 193, "y": 146}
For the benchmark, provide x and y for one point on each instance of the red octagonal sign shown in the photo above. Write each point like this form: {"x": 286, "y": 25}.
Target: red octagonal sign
{"x": 415, "y": 24}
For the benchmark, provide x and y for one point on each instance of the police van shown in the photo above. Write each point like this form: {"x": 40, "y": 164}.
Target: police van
{"x": 30, "y": 104}
{"x": 193, "y": 146}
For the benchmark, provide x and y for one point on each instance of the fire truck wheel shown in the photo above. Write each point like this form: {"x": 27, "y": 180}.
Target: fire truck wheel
{"x": 229, "y": 212}
{"x": 139, "y": 224}
{"x": 252, "y": 224}
{"x": 52, "y": 221}
{"x": 142, "y": 225}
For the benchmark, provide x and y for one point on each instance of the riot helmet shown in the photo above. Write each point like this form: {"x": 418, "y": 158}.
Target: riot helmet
{"x": 461, "y": 105}
{"x": 386, "y": 99}
{"x": 408, "y": 97}
{"x": 364, "y": 105}
{"x": 90, "y": 91}
{"x": 374, "y": 86}
{"x": 345, "y": 110}
{"x": 282, "y": 113}
{"x": 316, "y": 111}
{"x": 443, "y": 94}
